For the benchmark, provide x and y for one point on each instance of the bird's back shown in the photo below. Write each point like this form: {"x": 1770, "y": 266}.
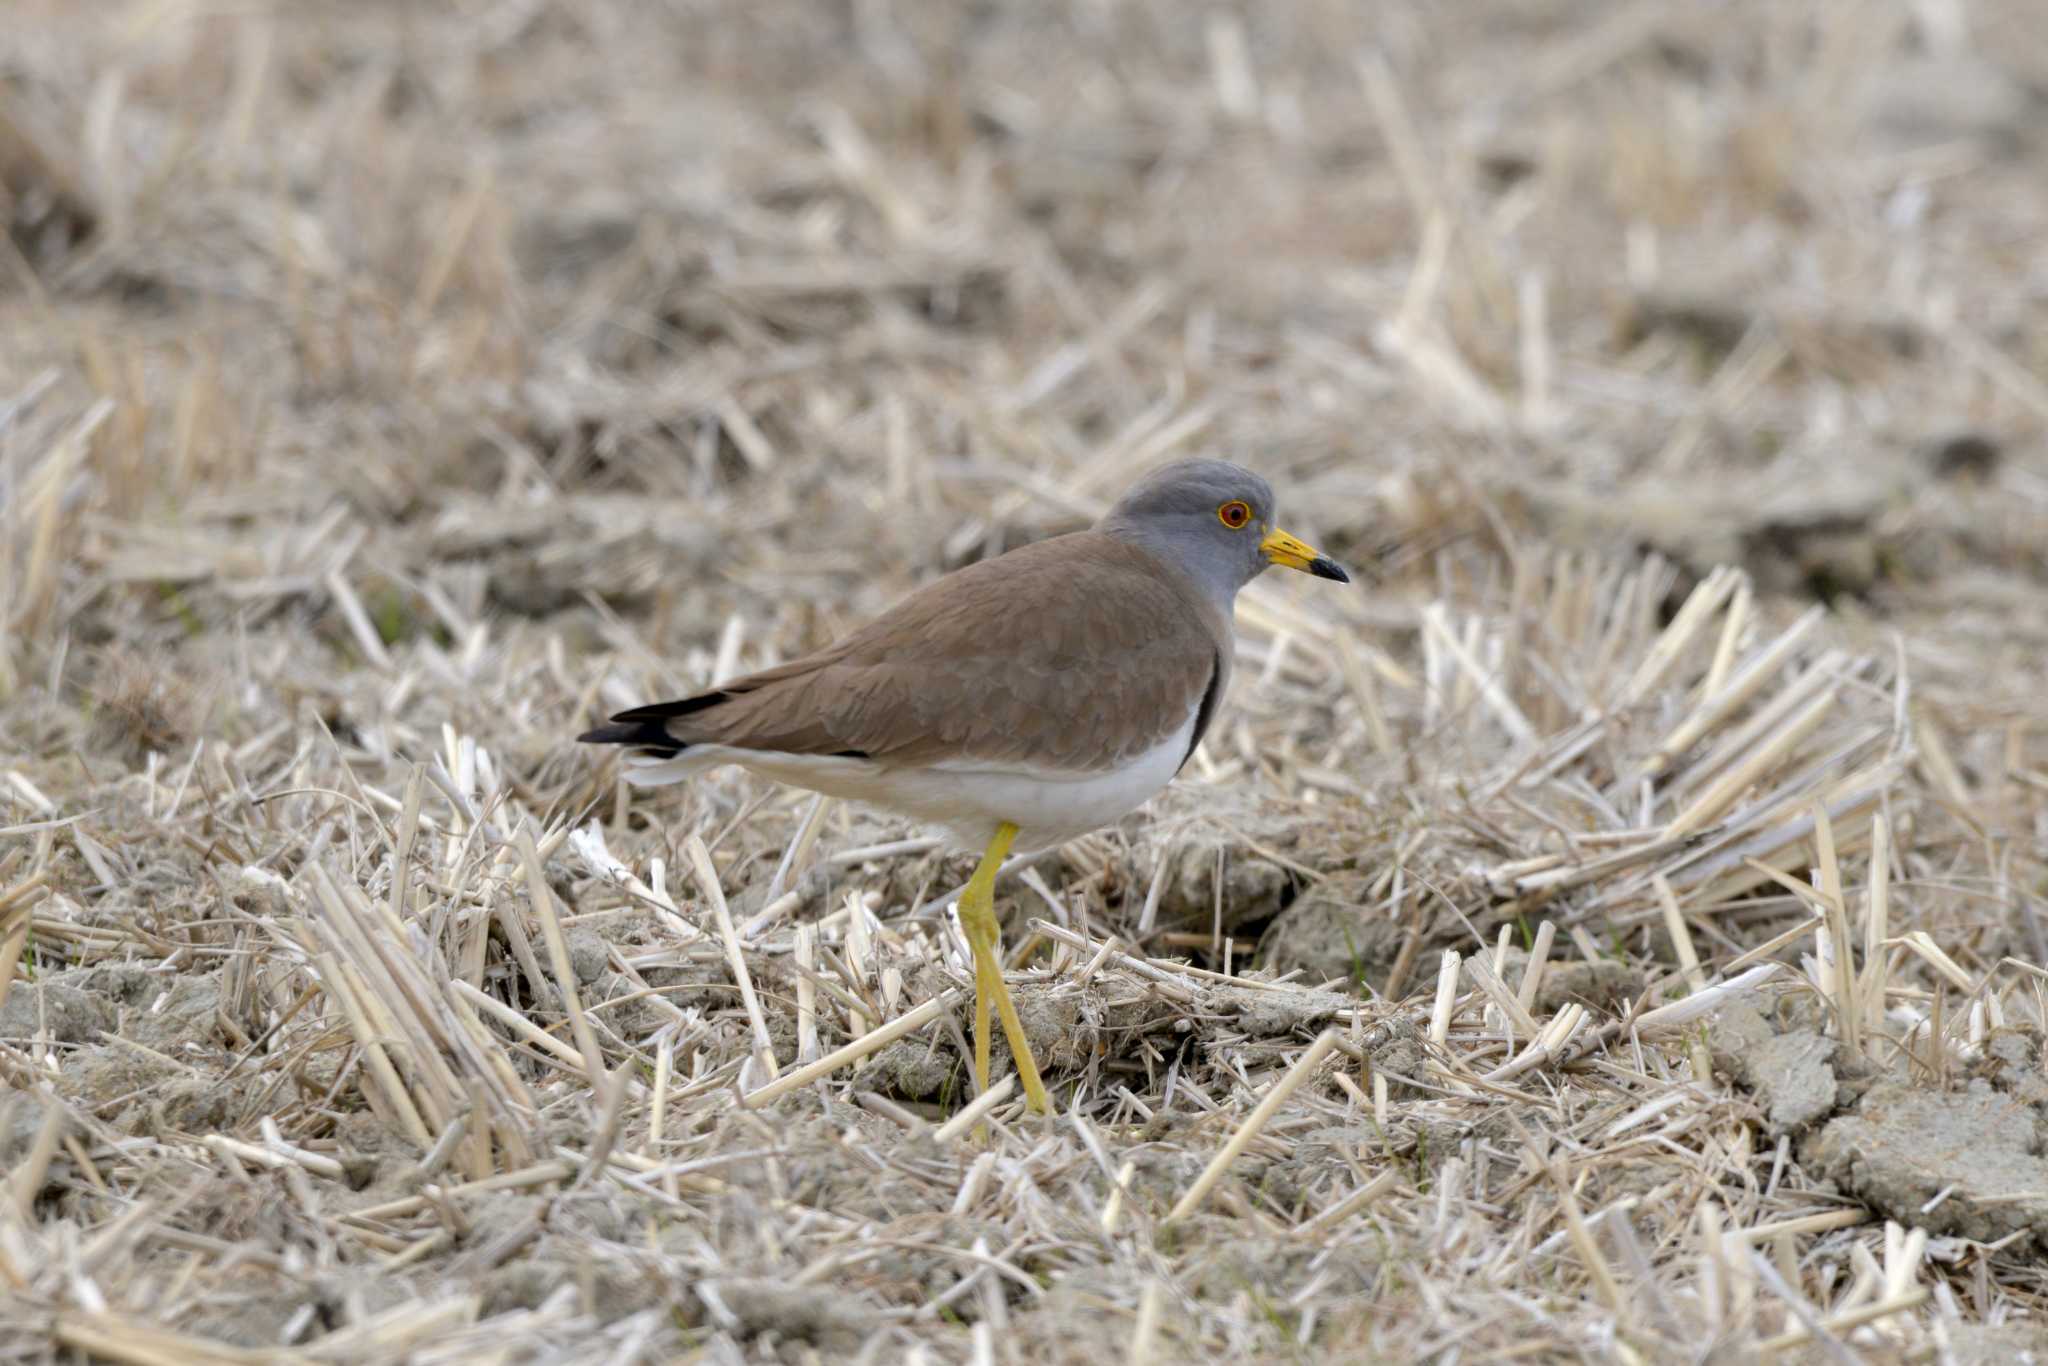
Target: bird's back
{"x": 1075, "y": 653}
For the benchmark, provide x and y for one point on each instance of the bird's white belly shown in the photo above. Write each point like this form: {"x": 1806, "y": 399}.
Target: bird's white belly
{"x": 968, "y": 798}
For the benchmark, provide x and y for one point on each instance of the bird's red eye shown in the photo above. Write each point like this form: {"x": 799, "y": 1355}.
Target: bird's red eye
{"x": 1234, "y": 515}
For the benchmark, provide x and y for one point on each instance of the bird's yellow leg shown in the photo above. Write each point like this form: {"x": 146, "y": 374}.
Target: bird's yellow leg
{"x": 982, "y": 999}
{"x": 978, "y": 922}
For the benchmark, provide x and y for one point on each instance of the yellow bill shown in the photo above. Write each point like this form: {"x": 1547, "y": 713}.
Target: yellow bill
{"x": 1295, "y": 553}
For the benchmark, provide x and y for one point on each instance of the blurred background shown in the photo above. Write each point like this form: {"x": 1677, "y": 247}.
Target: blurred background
{"x": 562, "y": 300}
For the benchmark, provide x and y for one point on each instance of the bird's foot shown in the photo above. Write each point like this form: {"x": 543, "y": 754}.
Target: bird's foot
{"x": 984, "y": 937}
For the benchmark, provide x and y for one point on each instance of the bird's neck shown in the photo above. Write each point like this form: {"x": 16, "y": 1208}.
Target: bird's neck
{"x": 1215, "y": 584}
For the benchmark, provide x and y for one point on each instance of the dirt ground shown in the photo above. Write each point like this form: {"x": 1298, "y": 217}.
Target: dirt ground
{"x": 1611, "y": 931}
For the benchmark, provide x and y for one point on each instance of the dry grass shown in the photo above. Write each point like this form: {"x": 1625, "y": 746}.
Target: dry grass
{"x": 387, "y": 390}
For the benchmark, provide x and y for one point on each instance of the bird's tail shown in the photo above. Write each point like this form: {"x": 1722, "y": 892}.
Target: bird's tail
{"x": 648, "y": 738}
{"x": 654, "y": 757}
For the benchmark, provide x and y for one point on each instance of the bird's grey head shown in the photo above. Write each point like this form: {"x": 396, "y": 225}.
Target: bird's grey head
{"x": 1214, "y": 520}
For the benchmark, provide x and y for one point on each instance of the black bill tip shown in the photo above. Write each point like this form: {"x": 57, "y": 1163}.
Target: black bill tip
{"x": 1323, "y": 567}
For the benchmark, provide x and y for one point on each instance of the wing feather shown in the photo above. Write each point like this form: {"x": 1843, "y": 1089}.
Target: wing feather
{"x": 1077, "y": 653}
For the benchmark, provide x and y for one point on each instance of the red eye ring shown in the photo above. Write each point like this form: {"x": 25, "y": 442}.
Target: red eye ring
{"x": 1235, "y": 515}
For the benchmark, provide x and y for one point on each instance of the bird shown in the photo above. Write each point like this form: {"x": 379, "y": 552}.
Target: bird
{"x": 1017, "y": 702}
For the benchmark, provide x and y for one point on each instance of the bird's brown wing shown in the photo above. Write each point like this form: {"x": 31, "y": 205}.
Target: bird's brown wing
{"x": 1078, "y": 653}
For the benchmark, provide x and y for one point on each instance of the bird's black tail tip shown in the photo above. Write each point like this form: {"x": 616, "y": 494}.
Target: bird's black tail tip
{"x": 649, "y": 736}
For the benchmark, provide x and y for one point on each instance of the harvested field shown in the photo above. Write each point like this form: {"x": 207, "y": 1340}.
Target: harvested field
{"x": 1611, "y": 932}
